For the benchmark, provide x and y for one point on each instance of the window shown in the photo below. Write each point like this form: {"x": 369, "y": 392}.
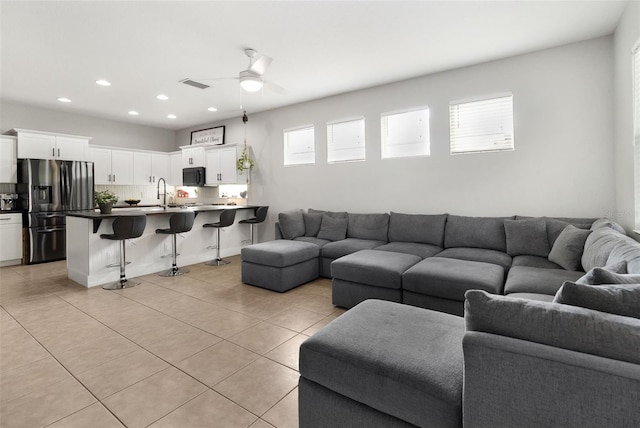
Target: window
{"x": 636, "y": 126}
{"x": 345, "y": 141}
{"x": 481, "y": 125}
{"x": 405, "y": 134}
{"x": 299, "y": 146}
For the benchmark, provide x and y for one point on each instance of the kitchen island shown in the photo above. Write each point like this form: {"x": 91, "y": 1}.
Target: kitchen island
{"x": 88, "y": 255}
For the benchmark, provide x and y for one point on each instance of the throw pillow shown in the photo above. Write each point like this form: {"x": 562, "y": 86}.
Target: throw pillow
{"x": 335, "y": 214}
{"x": 588, "y": 278}
{"x": 614, "y": 299}
{"x": 568, "y": 248}
{"x": 291, "y": 224}
{"x": 527, "y": 237}
{"x": 333, "y": 229}
{"x": 312, "y": 222}
{"x": 603, "y": 276}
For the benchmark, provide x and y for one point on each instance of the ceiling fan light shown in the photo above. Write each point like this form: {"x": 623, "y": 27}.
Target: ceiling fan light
{"x": 250, "y": 83}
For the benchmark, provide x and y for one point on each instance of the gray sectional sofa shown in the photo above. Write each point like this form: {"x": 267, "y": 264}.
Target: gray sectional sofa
{"x": 430, "y": 261}
{"x": 522, "y": 361}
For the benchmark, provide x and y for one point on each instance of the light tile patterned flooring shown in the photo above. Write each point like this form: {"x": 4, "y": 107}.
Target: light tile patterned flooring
{"x": 200, "y": 350}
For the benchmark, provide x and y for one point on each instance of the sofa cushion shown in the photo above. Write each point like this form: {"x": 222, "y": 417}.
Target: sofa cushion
{"x": 598, "y": 247}
{"x": 333, "y": 229}
{"x": 372, "y": 267}
{"x": 626, "y": 249}
{"x": 368, "y": 226}
{"x": 312, "y": 223}
{"x": 291, "y": 224}
{"x": 423, "y": 229}
{"x": 475, "y": 232}
{"x": 589, "y": 277}
{"x": 526, "y": 279}
{"x": 532, "y": 296}
{"x": 527, "y": 237}
{"x": 421, "y": 250}
{"x": 604, "y": 276}
{"x": 451, "y": 278}
{"x": 568, "y": 248}
{"x": 534, "y": 261}
{"x": 478, "y": 255}
{"x": 614, "y": 299}
{"x": 561, "y": 326}
{"x": 605, "y": 222}
{"x": 398, "y": 359}
{"x": 319, "y": 242}
{"x": 336, "y": 249}
{"x": 280, "y": 253}
{"x": 334, "y": 214}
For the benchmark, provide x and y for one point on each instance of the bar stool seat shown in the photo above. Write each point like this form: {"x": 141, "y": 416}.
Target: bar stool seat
{"x": 260, "y": 216}
{"x": 178, "y": 223}
{"x": 227, "y": 218}
{"x": 124, "y": 227}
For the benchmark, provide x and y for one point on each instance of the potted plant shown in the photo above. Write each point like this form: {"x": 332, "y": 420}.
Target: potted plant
{"x": 105, "y": 200}
{"x": 244, "y": 161}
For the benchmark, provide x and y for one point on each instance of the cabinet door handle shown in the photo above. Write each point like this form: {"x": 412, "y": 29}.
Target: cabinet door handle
{"x": 3, "y": 219}
{"x": 114, "y": 178}
{"x": 150, "y": 180}
{"x": 58, "y": 152}
{"x": 154, "y": 178}
{"x": 53, "y": 152}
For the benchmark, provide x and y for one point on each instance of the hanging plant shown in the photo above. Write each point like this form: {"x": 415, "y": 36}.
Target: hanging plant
{"x": 244, "y": 161}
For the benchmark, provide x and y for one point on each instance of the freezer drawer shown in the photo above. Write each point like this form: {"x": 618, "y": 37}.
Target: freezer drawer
{"x": 47, "y": 244}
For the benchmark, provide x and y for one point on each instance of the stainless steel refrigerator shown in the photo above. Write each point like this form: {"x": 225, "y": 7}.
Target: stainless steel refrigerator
{"x": 48, "y": 190}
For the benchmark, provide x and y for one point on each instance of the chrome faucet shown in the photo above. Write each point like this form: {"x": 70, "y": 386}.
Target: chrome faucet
{"x": 164, "y": 202}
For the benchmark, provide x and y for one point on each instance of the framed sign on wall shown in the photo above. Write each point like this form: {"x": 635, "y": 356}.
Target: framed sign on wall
{"x": 208, "y": 136}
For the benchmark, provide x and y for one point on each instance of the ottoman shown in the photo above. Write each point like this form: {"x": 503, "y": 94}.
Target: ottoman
{"x": 383, "y": 364}
{"x": 439, "y": 283}
{"x": 369, "y": 274}
{"x": 280, "y": 265}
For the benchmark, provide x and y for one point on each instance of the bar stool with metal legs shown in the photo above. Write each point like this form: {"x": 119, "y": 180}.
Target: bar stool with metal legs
{"x": 226, "y": 219}
{"x": 125, "y": 227}
{"x": 178, "y": 223}
{"x": 260, "y": 216}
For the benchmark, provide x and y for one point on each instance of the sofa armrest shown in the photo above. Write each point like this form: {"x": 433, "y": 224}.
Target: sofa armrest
{"x": 514, "y": 382}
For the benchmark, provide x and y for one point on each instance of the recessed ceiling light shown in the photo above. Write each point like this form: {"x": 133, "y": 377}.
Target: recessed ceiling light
{"x": 103, "y": 82}
{"x": 64, "y": 100}
{"x": 171, "y": 116}
{"x": 162, "y": 97}
{"x": 212, "y": 109}
{"x": 133, "y": 113}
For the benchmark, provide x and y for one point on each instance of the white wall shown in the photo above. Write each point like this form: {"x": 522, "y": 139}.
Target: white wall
{"x": 562, "y": 166}
{"x": 104, "y": 131}
{"x": 627, "y": 34}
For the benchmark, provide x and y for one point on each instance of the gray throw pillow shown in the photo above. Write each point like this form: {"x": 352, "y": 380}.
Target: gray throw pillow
{"x": 527, "y": 237}
{"x": 312, "y": 222}
{"x": 622, "y": 299}
{"x": 603, "y": 276}
{"x": 334, "y": 214}
{"x": 568, "y": 248}
{"x": 291, "y": 224}
{"x": 333, "y": 229}
{"x": 589, "y": 279}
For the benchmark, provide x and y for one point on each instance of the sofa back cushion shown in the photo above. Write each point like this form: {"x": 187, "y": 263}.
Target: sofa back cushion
{"x": 475, "y": 232}
{"x": 612, "y": 298}
{"x": 368, "y": 226}
{"x": 562, "y": 326}
{"x": 555, "y": 225}
{"x": 527, "y": 237}
{"x": 312, "y": 223}
{"x": 291, "y": 224}
{"x": 606, "y": 246}
{"x": 418, "y": 228}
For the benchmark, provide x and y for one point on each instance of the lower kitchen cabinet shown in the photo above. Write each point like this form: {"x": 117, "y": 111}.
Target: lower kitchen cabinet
{"x": 11, "y": 235}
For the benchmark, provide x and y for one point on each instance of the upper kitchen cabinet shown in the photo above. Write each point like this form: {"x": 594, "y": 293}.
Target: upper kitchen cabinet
{"x": 111, "y": 166}
{"x": 148, "y": 167}
{"x": 221, "y": 166}
{"x": 47, "y": 145}
{"x": 8, "y": 160}
{"x": 176, "y": 169}
{"x": 192, "y": 156}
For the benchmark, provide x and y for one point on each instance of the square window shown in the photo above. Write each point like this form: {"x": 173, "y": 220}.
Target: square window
{"x": 299, "y": 146}
{"x": 345, "y": 141}
{"x": 405, "y": 134}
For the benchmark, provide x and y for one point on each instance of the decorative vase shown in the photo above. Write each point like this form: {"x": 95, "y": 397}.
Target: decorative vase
{"x": 105, "y": 208}
{"x": 246, "y": 165}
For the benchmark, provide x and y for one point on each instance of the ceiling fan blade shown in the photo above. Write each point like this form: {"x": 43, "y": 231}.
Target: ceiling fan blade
{"x": 275, "y": 88}
{"x": 260, "y": 65}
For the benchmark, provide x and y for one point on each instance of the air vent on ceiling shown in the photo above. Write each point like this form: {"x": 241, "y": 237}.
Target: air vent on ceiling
{"x": 193, "y": 83}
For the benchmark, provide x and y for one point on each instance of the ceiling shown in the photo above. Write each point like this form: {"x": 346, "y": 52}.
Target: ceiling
{"x": 57, "y": 49}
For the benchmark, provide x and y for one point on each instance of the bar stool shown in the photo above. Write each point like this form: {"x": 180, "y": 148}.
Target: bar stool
{"x": 178, "y": 223}
{"x": 260, "y": 216}
{"x": 226, "y": 219}
{"x": 125, "y": 227}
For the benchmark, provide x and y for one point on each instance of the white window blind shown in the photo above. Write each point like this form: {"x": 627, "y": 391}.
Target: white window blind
{"x": 345, "y": 141}
{"x": 636, "y": 127}
{"x": 484, "y": 125}
{"x": 405, "y": 134}
{"x": 299, "y": 146}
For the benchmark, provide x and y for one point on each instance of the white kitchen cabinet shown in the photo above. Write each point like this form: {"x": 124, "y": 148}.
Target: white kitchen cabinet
{"x": 11, "y": 236}
{"x": 149, "y": 167}
{"x": 111, "y": 166}
{"x": 176, "y": 169}
{"x": 221, "y": 166}
{"x": 8, "y": 160}
{"x": 160, "y": 166}
{"x": 45, "y": 145}
{"x": 193, "y": 157}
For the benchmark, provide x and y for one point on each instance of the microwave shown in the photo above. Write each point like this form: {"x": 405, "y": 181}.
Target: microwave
{"x": 193, "y": 176}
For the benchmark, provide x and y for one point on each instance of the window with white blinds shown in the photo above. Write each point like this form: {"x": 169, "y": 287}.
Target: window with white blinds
{"x": 299, "y": 146}
{"x": 636, "y": 127}
{"x": 481, "y": 125}
{"x": 405, "y": 134}
{"x": 345, "y": 141}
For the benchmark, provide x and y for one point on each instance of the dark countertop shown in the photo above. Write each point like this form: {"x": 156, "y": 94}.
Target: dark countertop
{"x": 12, "y": 211}
{"x": 155, "y": 210}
